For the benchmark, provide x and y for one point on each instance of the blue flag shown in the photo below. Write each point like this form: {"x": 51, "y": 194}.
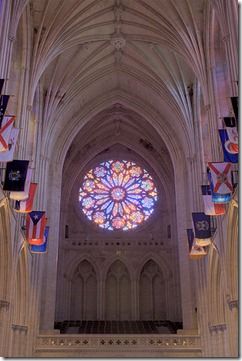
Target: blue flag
{"x": 15, "y": 176}
{"x": 3, "y": 105}
{"x": 42, "y": 248}
{"x": 190, "y": 238}
{"x": 201, "y": 223}
{"x": 216, "y": 197}
{"x": 228, "y": 156}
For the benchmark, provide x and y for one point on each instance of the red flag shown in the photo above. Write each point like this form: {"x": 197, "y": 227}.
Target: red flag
{"x": 211, "y": 208}
{"x": 5, "y": 132}
{"x": 26, "y": 206}
{"x": 221, "y": 177}
{"x": 8, "y": 155}
{"x": 35, "y": 227}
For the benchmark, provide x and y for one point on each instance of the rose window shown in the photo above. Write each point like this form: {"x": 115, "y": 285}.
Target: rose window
{"x": 118, "y": 195}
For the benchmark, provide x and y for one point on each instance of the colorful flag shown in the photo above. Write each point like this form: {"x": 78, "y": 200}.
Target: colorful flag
{"x": 15, "y": 175}
{"x": 5, "y": 132}
{"x": 22, "y": 196}
{"x": 229, "y": 156}
{"x": 221, "y": 177}
{"x": 42, "y": 248}
{"x": 216, "y": 197}
{"x": 232, "y": 132}
{"x": 35, "y": 227}
{"x": 26, "y": 206}
{"x": 1, "y": 85}
{"x": 3, "y": 105}
{"x": 211, "y": 208}
{"x": 7, "y": 156}
{"x": 195, "y": 252}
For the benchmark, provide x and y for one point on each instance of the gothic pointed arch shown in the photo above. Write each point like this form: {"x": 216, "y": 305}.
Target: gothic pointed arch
{"x": 118, "y": 301}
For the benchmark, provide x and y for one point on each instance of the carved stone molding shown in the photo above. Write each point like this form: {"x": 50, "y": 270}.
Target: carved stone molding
{"x": 225, "y": 37}
{"x": 20, "y": 328}
{"x": 118, "y": 41}
{"x": 12, "y": 39}
{"x": 4, "y": 304}
{"x": 232, "y": 303}
{"x": 192, "y": 157}
{"x": 217, "y": 328}
{"x": 44, "y": 158}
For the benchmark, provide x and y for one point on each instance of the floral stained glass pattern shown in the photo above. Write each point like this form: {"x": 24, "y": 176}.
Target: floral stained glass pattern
{"x": 118, "y": 195}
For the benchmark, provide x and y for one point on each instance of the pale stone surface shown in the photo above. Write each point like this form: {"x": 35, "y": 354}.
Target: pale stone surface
{"x": 118, "y": 79}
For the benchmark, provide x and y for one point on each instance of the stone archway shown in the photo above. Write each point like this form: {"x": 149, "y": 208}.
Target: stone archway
{"x": 118, "y": 305}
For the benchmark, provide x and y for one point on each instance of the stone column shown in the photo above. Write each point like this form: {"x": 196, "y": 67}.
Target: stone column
{"x": 216, "y": 332}
{"x": 135, "y": 298}
{"x": 4, "y": 307}
{"x": 232, "y": 62}
{"x": 102, "y": 299}
{"x": 48, "y": 301}
{"x": 233, "y": 306}
{"x": 18, "y": 332}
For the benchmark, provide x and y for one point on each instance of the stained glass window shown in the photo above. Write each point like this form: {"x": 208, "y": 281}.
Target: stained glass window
{"x": 118, "y": 195}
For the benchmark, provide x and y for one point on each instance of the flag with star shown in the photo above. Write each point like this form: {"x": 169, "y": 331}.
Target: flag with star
{"x": 221, "y": 177}
{"x": 3, "y": 106}
{"x": 42, "y": 248}
{"x": 195, "y": 251}
{"x": 35, "y": 227}
{"x": 15, "y": 175}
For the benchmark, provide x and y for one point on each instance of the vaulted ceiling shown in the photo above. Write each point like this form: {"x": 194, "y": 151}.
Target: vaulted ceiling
{"x": 118, "y": 72}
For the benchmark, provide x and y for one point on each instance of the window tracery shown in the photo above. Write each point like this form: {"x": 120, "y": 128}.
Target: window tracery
{"x": 118, "y": 195}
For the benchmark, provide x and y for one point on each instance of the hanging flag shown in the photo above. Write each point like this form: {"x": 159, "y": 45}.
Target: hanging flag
{"x": 9, "y": 154}
{"x": 26, "y": 206}
{"x": 195, "y": 252}
{"x": 35, "y": 227}
{"x": 1, "y": 85}
{"x": 216, "y": 197}
{"x": 22, "y": 196}
{"x": 5, "y": 132}
{"x": 16, "y": 172}
{"x": 211, "y": 208}
{"x": 202, "y": 230}
{"x": 232, "y": 132}
{"x": 234, "y": 102}
{"x": 221, "y": 176}
{"x": 229, "y": 156}
{"x": 42, "y": 248}
{"x": 3, "y": 105}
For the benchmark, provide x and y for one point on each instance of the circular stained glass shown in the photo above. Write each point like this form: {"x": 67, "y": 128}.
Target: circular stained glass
{"x": 118, "y": 195}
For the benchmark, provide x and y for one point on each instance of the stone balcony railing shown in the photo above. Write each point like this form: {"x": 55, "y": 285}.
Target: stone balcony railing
{"x": 118, "y": 346}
